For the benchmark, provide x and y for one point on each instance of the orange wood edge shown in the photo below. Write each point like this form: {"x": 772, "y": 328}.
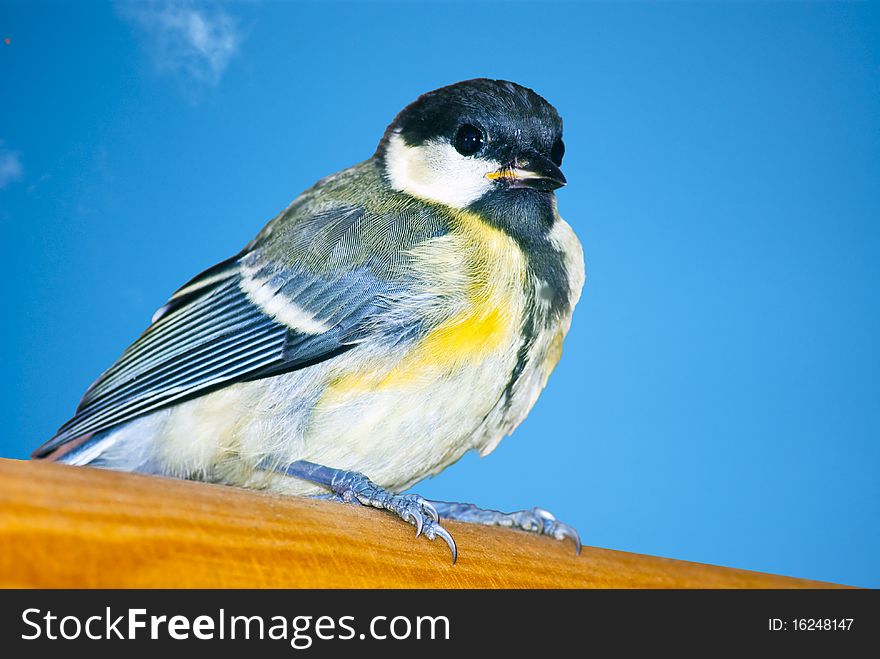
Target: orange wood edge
{"x": 66, "y": 527}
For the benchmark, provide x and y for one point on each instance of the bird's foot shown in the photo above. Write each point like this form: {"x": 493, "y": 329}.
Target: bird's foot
{"x": 536, "y": 520}
{"x": 354, "y": 487}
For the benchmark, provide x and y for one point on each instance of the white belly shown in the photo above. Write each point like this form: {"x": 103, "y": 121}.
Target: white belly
{"x": 396, "y": 435}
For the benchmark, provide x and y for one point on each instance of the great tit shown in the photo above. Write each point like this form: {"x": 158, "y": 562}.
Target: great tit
{"x": 396, "y": 315}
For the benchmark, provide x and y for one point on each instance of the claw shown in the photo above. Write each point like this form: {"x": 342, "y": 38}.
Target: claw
{"x": 557, "y": 529}
{"x": 419, "y": 522}
{"x": 428, "y": 508}
{"x": 443, "y": 533}
{"x": 565, "y": 531}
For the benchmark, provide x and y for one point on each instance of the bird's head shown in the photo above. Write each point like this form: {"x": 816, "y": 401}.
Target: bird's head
{"x": 472, "y": 141}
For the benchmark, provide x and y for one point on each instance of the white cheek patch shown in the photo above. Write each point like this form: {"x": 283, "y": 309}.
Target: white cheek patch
{"x": 435, "y": 171}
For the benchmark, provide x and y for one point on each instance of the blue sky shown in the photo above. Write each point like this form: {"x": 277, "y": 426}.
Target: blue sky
{"x": 718, "y": 399}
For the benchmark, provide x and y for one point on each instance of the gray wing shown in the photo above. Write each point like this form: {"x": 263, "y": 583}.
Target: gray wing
{"x": 235, "y": 322}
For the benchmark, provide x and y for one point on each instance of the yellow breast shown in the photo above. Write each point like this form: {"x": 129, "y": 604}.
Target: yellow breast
{"x": 477, "y": 275}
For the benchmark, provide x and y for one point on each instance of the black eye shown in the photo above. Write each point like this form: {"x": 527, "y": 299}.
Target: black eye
{"x": 557, "y": 151}
{"x": 468, "y": 140}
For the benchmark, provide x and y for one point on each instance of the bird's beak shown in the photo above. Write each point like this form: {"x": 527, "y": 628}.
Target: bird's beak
{"x": 532, "y": 171}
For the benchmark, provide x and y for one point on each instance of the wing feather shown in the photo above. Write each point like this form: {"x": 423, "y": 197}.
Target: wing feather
{"x": 217, "y": 338}
{"x": 209, "y": 341}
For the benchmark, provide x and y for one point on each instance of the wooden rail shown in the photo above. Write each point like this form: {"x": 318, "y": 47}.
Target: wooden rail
{"x": 66, "y": 527}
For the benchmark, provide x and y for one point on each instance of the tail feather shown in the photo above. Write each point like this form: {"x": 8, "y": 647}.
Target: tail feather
{"x": 80, "y": 451}
{"x": 126, "y": 447}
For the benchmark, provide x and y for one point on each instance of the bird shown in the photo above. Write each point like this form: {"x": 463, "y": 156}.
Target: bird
{"x": 393, "y": 317}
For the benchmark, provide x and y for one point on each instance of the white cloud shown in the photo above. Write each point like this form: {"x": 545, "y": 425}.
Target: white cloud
{"x": 11, "y": 169}
{"x": 185, "y": 37}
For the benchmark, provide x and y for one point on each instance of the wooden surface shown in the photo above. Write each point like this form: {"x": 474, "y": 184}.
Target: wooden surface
{"x": 78, "y": 527}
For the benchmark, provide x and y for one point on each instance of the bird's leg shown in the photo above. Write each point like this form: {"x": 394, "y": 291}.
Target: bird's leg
{"x": 536, "y": 520}
{"x": 354, "y": 487}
